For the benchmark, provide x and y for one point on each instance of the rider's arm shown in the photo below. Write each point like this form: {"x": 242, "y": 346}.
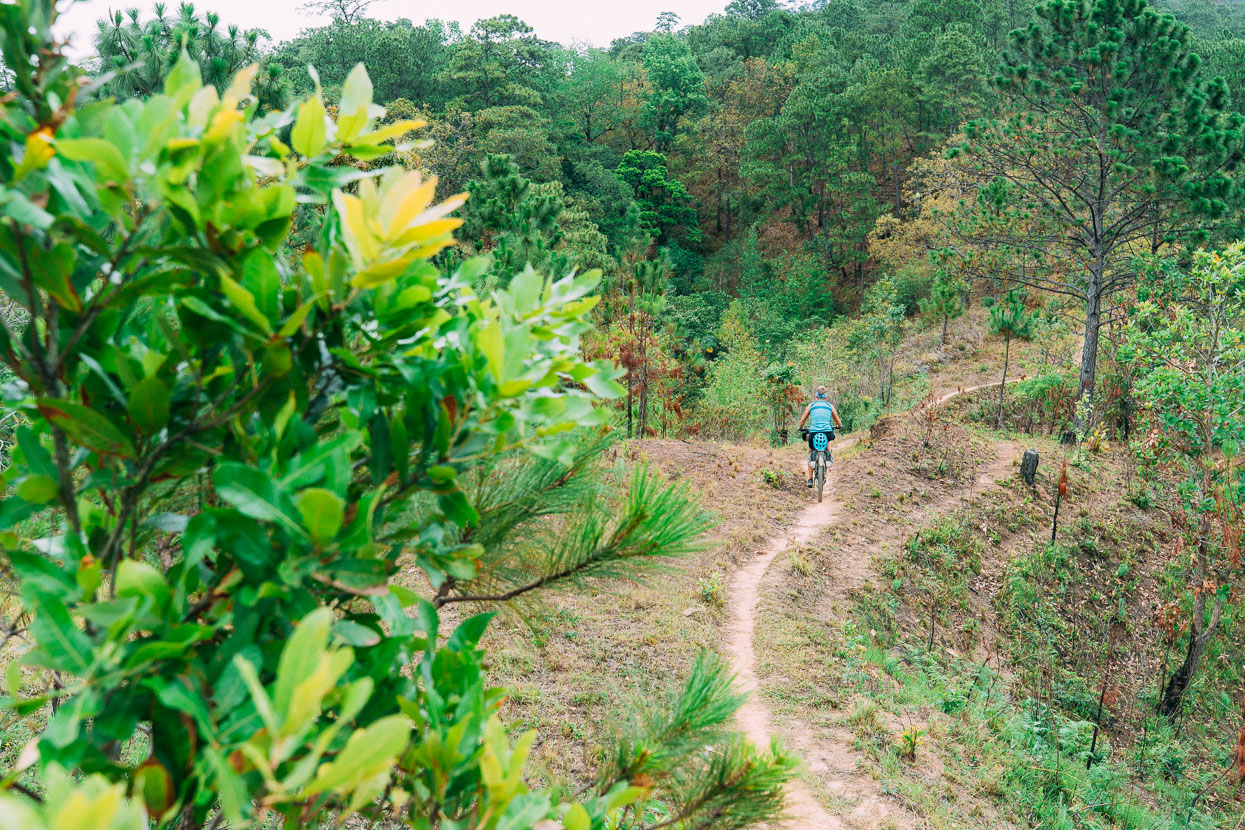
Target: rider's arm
{"x": 804, "y": 417}
{"x": 834, "y": 413}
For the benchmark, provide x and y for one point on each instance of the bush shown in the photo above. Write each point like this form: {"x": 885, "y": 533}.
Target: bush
{"x": 912, "y": 285}
{"x": 228, "y": 452}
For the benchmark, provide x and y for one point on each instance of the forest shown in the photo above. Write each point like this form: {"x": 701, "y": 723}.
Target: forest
{"x": 399, "y": 423}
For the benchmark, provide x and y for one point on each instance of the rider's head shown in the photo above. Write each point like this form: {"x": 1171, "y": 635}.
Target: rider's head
{"x": 821, "y": 392}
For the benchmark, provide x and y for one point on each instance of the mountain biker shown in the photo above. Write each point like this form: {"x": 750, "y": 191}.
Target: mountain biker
{"x": 821, "y": 416}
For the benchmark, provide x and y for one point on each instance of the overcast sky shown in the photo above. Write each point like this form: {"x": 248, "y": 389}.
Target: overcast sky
{"x": 566, "y": 21}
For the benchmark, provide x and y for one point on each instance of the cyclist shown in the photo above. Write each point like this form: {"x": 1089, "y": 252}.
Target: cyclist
{"x": 821, "y": 416}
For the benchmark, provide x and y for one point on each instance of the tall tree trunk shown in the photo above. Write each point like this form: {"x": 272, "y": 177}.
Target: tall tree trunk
{"x": 1007, "y": 354}
{"x": 945, "y": 319}
{"x": 1089, "y": 351}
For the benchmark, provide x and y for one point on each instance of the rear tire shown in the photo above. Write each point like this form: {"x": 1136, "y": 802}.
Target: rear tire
{"x": 821, "y": 477}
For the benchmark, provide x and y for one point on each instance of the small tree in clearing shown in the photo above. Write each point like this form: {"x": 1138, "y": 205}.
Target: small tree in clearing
{"x": 946, "y": 301}
{"x": 1186, "y": 340}
{"x": 1010, "y": 318}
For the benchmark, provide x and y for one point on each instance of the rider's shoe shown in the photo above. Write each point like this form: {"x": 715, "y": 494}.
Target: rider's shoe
{"x": 810, "y": 484}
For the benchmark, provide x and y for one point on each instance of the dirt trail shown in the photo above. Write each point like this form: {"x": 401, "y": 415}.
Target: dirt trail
{"x": 835, "y": 762}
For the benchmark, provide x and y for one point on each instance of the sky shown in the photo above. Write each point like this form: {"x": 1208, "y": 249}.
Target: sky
{"x": 567, "y": 21}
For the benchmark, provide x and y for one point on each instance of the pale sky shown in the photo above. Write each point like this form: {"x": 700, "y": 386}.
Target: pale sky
{"x": 566, "y": 21}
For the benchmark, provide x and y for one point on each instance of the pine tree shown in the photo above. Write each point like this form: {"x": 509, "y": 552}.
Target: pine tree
{"x": 945, "y": 301}
{"x": 1113, "y": 145}
{"x": 140, "y": 53}
{"x": 517, "y": 221}
{"x": 1010, "y": 318}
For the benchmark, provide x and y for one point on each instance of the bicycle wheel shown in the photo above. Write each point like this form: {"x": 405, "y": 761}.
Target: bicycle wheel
{"x": 821, "y": 474}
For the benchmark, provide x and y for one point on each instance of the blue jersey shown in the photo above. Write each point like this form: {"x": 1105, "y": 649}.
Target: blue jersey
{"x": 820, "y": 415}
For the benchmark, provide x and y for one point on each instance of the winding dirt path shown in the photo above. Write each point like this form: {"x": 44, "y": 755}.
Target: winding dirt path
{"x": 834, "y": 761}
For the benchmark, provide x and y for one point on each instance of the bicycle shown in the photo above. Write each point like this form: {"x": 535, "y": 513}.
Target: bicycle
{"x": 823, "y": 459}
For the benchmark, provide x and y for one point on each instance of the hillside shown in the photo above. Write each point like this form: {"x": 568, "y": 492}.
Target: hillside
{"x": 826, "y": 610}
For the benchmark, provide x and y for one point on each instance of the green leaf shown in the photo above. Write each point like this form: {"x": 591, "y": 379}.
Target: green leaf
{"x": 301, "y": 656}
{"x": 323, "y": 513}
{"x": 185, "y": 79}
{"x": 356, "y": 101}
{"x": 490, "y": 340}
{"x": 256, "y": 495}
{"x": 148, "y": 405}
{"x": 295, "y": 320}
{"x": 87, "y": 427}
{"x": 310, "y": 137}
{"x": 405, "y": 595}
{"x": 138, "y": 579}
{"x": 368, "y": 752}
{"x": 106, "y": 157}
{"x": 244, "y": 301}
{"x": 38, "y": 489}
{"x": 61, "y": 646}
{"x": 576, "y": 818}
{"x": 353, "y": 634}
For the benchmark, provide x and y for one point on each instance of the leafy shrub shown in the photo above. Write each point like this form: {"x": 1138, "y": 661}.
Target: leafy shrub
{"x": 237, "y": 447}
{"x": 912, "y": 285}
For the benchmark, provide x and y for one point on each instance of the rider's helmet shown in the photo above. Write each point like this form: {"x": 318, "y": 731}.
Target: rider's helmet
{"x": 821, "y": 392}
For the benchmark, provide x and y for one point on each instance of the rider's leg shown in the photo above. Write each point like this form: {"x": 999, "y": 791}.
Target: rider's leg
{"x": 806, "y": 469}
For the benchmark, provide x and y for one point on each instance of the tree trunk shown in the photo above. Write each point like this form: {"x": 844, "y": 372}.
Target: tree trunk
{"x": 1089, "y": 352}
{"x": 945, "y": 320}
{"x": 1178, "y": 684}
{"x": 1007, "y": 354}
{"x": 1200, "y": 629}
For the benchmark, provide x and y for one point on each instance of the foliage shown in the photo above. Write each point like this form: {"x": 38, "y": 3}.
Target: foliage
{"x": 663, "y": 201}
{"x": 1186, "y": 342}
{"x": 945, "y": 301}
{"x": 1112, "y": 145}
{"x": 1010, "y": 318}
{"x": 676, "y": 84}
{"x": 518, "y": 224}
{"x": 500, "y": 62}
{"x": 226, "y": 452}
{"x": 138, "y": 54}
{"x": 406, "y": 61}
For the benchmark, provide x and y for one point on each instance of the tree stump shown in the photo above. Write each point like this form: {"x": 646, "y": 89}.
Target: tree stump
{"x": 1028, "y": 466}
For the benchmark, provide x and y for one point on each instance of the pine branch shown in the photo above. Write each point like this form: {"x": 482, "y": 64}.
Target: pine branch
{"x": 657, "y": 521}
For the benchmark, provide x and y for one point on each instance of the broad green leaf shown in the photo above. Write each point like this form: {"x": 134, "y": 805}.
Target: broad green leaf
{"x": 323, "y": 513}
{"x": 310, "y": 137}
{"x": 301, "y": 656}
{"x": 184, "y": 81}
{"x": 107, "y": 158}
{"x": 368, "y": 752}
{"x": 244, "y": 301}
{"x": 490, "y": 340}
{"x": 135, "y": 578}
{"x": 149, "y": 404}
{"x": 60, "y": 645}
{"x": 576, "y": 818}
{"x": 255, "y": 495}
{"x": 295, "y": 320}
{"x": 87, "y": 427}
{"x": 356, "y": 101}
{"x": 354, "y": 634}
{"x": 38, "y": 489}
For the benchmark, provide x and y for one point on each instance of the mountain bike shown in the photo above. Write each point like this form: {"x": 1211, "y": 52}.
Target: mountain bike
{"x": 823, "y": 459}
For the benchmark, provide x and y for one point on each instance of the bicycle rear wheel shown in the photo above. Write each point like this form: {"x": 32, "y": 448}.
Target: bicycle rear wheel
{"x": 821, "y": 474}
